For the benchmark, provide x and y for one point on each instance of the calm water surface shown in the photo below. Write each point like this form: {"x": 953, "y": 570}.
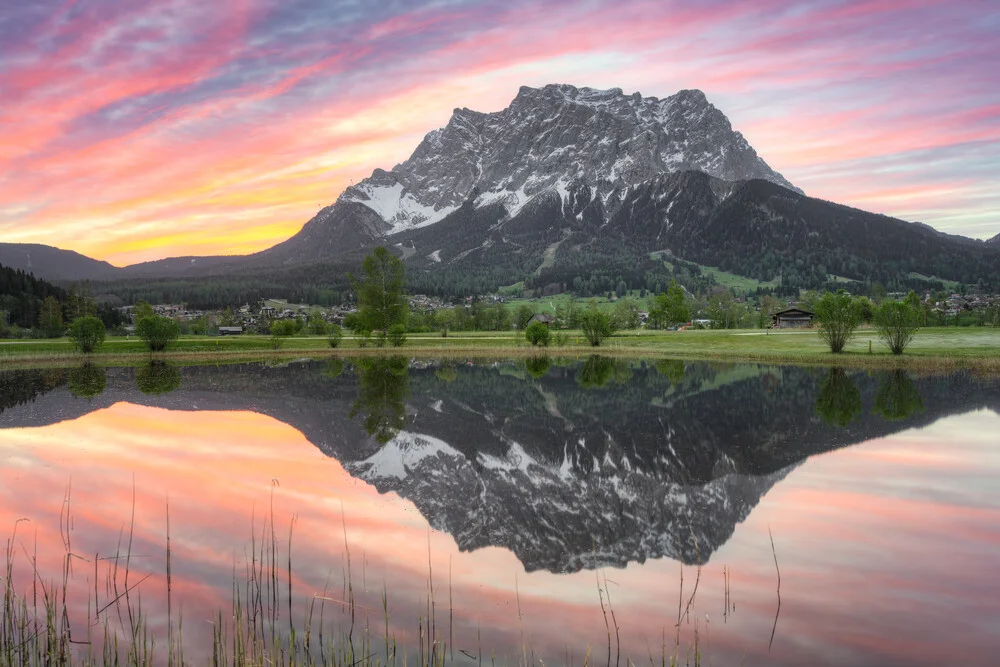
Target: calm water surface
{"x": 527, "y": 494}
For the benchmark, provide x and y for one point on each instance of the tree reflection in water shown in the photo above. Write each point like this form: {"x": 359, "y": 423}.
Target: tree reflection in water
{"x": 383, "y": 387}
{"x": 87, "y": 381}
{"x": 157, "y": 378}
{"x": 839, "y": 400}
{"x": 897, "y": 397}
{"x": 537, "y": 367}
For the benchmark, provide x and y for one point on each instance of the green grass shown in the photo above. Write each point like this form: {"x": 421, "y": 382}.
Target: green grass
{"x": 949, "y": 285}
{"x": 548, "y": 304}
{"x": 724, "y": 278}
{"x": 977, "y": 347}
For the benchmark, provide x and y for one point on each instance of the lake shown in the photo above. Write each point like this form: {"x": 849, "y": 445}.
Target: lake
{"x": 515, "y": 511}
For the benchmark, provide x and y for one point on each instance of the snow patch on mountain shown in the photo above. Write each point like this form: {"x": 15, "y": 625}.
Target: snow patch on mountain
{"x": 549, "y": 138}
{"x": 403, "y": 454}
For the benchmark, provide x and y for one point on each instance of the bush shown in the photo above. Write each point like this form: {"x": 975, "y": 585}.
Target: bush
{"x": 896, "y": 323}
{"x": 87, "y": 334}
{"x": 596, "y": 326}
{"x": 397, "y": 334}
{"x": 158, "y": 332}
{"x": 336, "y": 335}
{"x": 839, "y": 316}
{"x": 537, "y": 334}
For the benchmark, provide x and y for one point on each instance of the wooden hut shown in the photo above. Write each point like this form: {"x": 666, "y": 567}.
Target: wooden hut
{"x": 792, "y": 318}
{"x": 544, "y": 318}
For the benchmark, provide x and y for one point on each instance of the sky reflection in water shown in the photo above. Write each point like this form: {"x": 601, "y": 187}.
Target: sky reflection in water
{"x": 887, "y": 549}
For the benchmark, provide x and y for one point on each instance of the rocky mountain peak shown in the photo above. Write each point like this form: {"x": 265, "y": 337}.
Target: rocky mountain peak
{"x": 558, "y": 141}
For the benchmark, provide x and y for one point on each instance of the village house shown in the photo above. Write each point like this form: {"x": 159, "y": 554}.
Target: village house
{"x": 544, "y": 318}
{"x": 792, "y": 318}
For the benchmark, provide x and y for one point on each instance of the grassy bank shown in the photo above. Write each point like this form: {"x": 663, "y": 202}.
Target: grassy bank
{"x": 932, "y": 348}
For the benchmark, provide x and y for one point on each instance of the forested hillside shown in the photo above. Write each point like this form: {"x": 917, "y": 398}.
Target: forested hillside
{"x": 21, "y": 297}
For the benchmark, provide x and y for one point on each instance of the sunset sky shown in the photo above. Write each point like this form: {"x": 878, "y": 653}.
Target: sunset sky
{"x": 137, "y": 130}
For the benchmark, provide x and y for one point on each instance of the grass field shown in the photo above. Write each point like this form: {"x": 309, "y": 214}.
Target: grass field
{"x": 931, "y": 348}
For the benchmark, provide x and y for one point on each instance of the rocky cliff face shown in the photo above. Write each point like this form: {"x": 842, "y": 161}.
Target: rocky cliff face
{"x": 558, "y": 139}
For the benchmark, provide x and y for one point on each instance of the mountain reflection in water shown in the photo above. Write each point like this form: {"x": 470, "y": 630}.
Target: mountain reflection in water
{"x": 568, "y": 466}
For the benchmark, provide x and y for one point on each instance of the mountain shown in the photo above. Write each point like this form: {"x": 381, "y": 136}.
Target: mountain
{"x": 566, "y": 476}
{"x": 995, "y": 241}
{"x": 54, "y": 264}
{"x": 572, "y": 189}
{"x": 554, "y": 139}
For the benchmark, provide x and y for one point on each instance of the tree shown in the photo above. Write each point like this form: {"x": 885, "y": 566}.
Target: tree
{"x": 380, "y": 291}
{"x": 896, "y": 323}
{"x": 625, "y": 316}
{"x": 397, "y": 334}
{"x": 157, "y": 331}
{"x": 50, "y": 317}
{"x": 87, "y": 334}
{"x": 537, "y": 334}
{"x": 839, "y": 317}
{"x": 317, "y": 325}
{"x": 523, "y": 313}
{"x": 157, "y": 378}
{"x": 669, "y": 309}
{"x": 142, "y": 310}
{"x": 336, "y": 335}
{"x": 596, "y": 325}
{"x": 280, "y": 330}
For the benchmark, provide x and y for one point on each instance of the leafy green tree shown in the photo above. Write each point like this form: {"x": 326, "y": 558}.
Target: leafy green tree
{"x": 87, "y": 334}
{"x": 282, "y": 330}
{"x": 596, "y": 326}
{"x": 839, "y": 317}
{"x": 80, "y": 301}
{"x": 397, "y": 334}
{"x": 317, "y": 325}
{"x": 537, "y": 334}
{"x": 523, "y": 313}
{"x": 839, "y": 401}
{"x": 157, "y": 331}
{"x": 87, "y": 381}
{"x": 228, "y": 318}
{"x": 336, "y": 335}
{"x": 625, "y": 316}
{"x": 897, "y": 397}
{"x": 537, "y": 367}
{"x": 896, "y": 323}
{"x": 142, "y": 310}
{"x": 669, "y": 309}
{"x": 50, "y": 317}
{"x": 383, "y": 386}
{"x": 595, "y": 372}
{"x": 381, "y": 303}
{"x": 157, "y": 378}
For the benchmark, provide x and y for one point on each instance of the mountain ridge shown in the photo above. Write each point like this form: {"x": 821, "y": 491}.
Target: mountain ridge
{"x": 492, "y": 199}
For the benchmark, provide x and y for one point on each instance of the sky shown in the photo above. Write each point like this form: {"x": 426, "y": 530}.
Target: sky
{"x": 141, "y": 130}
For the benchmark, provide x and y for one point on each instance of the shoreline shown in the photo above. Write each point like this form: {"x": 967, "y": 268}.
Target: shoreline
{"x": 986, "y": 361}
